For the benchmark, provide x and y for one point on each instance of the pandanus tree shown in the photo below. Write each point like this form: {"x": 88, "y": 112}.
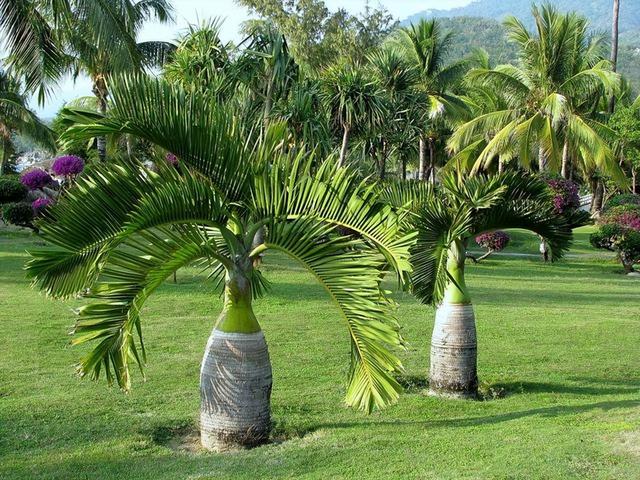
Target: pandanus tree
{"x": 354, "y": 100}
{"x": 548, "y": 111}
{"x": 446, "y": 219}
{"x": 123, "y": 229}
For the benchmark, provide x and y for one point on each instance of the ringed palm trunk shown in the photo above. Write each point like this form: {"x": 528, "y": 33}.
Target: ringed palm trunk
{"x": 422, "y": 169}
{"x": 235, "y": 377}
{"x": 565, "y": 160}
{"x": 345, "y": 146}
{"x": 614, "y": 46}
{"x": 101, "y": 92}
{"x": 432, "y": 161}
{"x": 6, "y": 152}
{"x": 454, "y": 348}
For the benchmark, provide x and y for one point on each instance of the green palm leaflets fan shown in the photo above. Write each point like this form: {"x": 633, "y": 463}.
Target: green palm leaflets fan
{"x": 446, "y": 219}
{"x": 123, "y": 229}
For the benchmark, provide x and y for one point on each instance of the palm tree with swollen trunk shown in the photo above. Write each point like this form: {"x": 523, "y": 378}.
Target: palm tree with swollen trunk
{"x": 123, "y": 229}
{"x": 548, "y": 108}
{"x": 446, "y": 220}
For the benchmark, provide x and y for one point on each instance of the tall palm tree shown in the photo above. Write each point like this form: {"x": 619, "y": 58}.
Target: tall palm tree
{"x": 551, "y": 99}
{"x": 49, "y": 39}
{"x": 446, "y": 220}
{"x": 87, "y": 52}
{"x": 614, "y": 46}
{"x": 425, "y": 47}
{"x": 354, "y": 101}
{"x": 16, "y": 117}
{"x": 124, "y": 229}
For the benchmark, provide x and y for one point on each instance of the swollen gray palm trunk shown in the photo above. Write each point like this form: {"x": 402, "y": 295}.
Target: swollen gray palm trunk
{"x": 235, "y": 378}
{"x": 454, "y": 347}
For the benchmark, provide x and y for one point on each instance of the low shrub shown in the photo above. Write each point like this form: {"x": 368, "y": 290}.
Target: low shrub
{"x": 619, "y": 231}
{"x": 18, "y": 213}
{"x": 623, "y": 199}
{"x": 11, "y": 190}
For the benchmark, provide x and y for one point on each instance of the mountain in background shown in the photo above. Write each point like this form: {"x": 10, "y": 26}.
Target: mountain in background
{"x": 479, "y": 25}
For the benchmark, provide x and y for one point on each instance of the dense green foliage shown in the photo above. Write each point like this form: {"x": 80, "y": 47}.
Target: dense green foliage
{"x": 11, "y": 190}
{"x": 17, "y": 213}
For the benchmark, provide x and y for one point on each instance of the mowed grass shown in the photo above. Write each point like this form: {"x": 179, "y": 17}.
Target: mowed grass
{"x": 559, "y": 351}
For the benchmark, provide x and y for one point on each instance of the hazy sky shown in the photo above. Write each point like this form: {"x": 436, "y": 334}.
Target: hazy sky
{"x": 193, "y": 11}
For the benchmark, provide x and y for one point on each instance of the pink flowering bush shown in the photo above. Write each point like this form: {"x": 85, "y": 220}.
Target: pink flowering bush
{"x": 171, "y": 159}
{"x": 493, "y": 241}
{"x": 40, "y": 204}
{"x": 68, "y": 166}
{"x": 565, "y": 194}
{"x": 619, "y": 231}
{"x": 36, "y": 179}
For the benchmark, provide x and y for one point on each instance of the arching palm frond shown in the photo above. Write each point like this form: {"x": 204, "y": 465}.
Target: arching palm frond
{"x": 203, "y": 134}
{"x": 476, "y": 205}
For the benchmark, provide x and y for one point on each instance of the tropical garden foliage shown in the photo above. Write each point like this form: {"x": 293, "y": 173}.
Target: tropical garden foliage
{"x": 302, "y": 139}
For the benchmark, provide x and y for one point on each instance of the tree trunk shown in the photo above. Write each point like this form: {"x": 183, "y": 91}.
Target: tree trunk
{"x": 235, "y": 378}
{"x": 404, "y": 167}
{"x": 343, "y": 150}
{"x": 5, "y": 154}
{"x": 565, "y": 160}
{"x": 101, "y": 92}
{"x": 454, "y": 348}
{"x": 500, "y": 165}
{"x": 598, "y": 197}
{"x": 432, "y": 161}
{"x": 382, "y": 166}
{"x": 634, "y": 174}
{"x": 614, "y": 47}
{"x": 422, "y": 169}
{"x": 542, "y": 160}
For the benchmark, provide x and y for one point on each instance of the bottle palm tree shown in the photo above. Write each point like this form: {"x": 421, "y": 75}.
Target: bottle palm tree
{"x": 355, "y": 102}
{"x": 425, "y": 47}
{"x": 124, "y": 229}
{"x": 16, "y": 117}
{"x": 446, "y": 220}
{"x": 549, "y": 107}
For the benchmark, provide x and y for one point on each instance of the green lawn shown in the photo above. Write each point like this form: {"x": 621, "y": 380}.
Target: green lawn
{"x": 559, "y": 351}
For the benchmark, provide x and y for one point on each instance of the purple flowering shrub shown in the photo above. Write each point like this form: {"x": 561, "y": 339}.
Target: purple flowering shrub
{"x": 68, "y": 166}
{"x": 171, "y": 159}
{"x": 565, "y": 194}
{"x": 40, "y": 204}
{"x": 493, "y": 241}
{"x": 36, "y": 179}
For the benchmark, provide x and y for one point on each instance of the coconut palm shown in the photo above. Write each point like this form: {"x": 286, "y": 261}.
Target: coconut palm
{"x": 40, "y": 36}
{"x": 446, "y": 219}
{"x": 355, "y": 102}
{"x": 549, "y": 101}
{"x": 425, "y": 46}
{"x": 88, "y": 54}
{"x": 16, "y": 117}
{"x": 124, "y": 229}
{"x": 614, "y": 45}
